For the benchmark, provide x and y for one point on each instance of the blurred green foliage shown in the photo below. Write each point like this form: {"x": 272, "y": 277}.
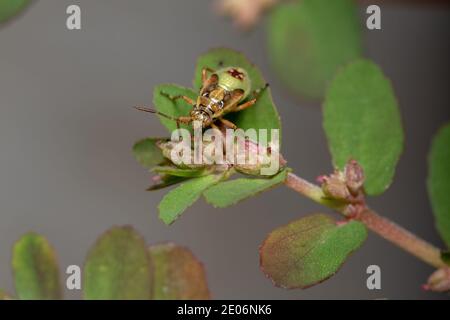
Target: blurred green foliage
{"x": 11, "y": 8}
{"x": 308, "y": 40}
{"x": 439, "y": 181}
{"x": 119, "y": 266}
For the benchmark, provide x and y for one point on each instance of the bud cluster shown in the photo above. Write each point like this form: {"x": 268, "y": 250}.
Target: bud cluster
{"x": 240, "y": 153}
{"x": 346, "y": 185}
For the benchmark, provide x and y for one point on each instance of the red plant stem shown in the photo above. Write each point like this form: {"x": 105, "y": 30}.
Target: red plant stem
{"x": 402, "y": 238}
{"x": 378, "y": 224}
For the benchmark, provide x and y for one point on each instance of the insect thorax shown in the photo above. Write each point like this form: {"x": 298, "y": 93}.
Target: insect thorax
{"x": 215, "y": 97}
{"x": 209, "y": 104}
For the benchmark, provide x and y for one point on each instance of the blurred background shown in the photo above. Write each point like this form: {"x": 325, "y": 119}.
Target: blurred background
{"x": 67, "y": 128}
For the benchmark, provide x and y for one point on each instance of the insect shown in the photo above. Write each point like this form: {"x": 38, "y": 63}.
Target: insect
{"x": 222, "y": 92}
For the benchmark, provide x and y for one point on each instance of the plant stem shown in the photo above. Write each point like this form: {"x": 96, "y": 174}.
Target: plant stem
{"x": 378, "y": 224}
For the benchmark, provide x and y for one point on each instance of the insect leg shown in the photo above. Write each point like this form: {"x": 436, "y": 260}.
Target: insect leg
{"x": 185, "y": 98}
{"x": 184, "y": 120}
{"x": 245, "y": 105}
{"x": 258, "y": 92}
{"x": 232, "y": 103}
{"x": 228, "y": 123}
{"x": 205, "y": 73}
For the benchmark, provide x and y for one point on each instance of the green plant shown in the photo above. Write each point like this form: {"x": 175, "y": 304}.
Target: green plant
{"x": 118, "y": 266}
{"x": 363, "y": 126}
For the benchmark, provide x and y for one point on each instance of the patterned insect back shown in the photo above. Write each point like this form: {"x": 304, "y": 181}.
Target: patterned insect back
{"x": 232, "y": 78}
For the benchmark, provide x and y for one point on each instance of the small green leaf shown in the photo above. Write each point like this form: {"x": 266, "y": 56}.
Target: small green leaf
{"x": 179, "y": 199}
{"x": 309, "y": 250}
{"x": 180, "y": 172}
{"x": 163, "y": 100}
{"x": 178, "y": 274}
{"x": 10, "y": 8}
{"x": 118, "y": 267}
{"x": 35, "y": 269}
{"x": 263, "y": 114}
{"x": 308, "y": 40}
{"x": 147, "y": 153}
{"x": 362, "y": 121}
{"x": 439, "y": 181}
{"x": 227, "y": 193}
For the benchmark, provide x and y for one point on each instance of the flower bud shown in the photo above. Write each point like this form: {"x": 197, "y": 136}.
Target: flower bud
{"x": 354, "y": 176}
{"x": 335, "y": 187}
{"x": 167, "y": 148}
{"x": 254, "y": 159}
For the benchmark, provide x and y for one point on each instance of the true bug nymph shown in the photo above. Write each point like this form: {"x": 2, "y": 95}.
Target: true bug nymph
{"x": 222, "y": 92}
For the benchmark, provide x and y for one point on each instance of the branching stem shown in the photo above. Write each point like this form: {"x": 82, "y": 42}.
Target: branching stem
{"x": 378, "y": 224}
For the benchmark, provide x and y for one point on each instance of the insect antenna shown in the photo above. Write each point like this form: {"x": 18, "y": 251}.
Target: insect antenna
{"x": 150, "y": 110}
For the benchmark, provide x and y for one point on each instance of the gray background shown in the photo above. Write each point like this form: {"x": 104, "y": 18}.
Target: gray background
{"x": 66, "y": 129}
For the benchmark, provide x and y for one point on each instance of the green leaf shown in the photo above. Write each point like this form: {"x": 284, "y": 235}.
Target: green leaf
{"x": 263, "y": 114}
{"x": 35, "y": 269}
{"x": 227, "y": 193}
{"x": 308, "y": 40}
{"x": 180, "y": 172}
{"x": 118, "y": 267}
{"x": 178, "y": 274}
{"x": 147, "y": 153}
{"x": 309, "y": 250}
{"x": 439, "y": 181}
{"x": 179, "y": 199}
{"x": 10, "y": 8}
{"x": 163, "y": 100}
{"x": 362, "y": 121}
